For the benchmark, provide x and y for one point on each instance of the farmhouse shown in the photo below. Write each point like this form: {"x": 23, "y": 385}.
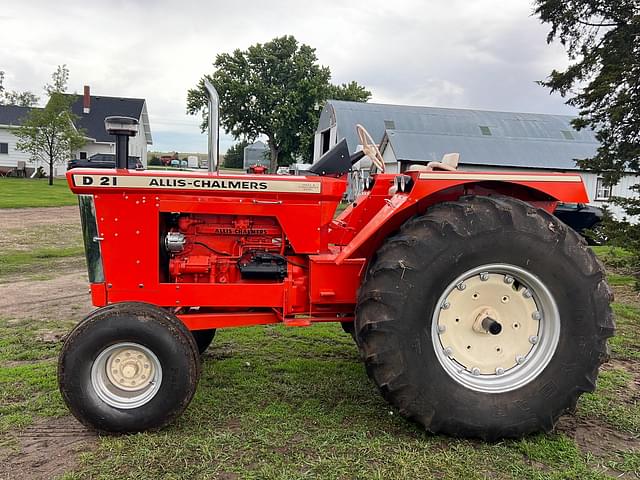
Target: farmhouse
{"x": 485, "y": 140}
{"x": 90, "y": 112}
{"x": 11, "y": 117}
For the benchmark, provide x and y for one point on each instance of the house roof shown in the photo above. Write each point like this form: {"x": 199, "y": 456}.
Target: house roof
{"x": 544, "y": 153}
{"x": 93, "y": 122}
{"x": 481, "y": 137}
{"x": 12, "y": 114}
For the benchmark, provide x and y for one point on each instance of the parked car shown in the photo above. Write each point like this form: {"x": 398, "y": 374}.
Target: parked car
{"x": 103, "y": 160}
{"x": 582, "y": 218}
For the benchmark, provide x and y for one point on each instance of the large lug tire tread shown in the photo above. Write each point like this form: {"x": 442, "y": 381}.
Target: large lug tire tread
{"x": 157, "y": 329}
{"x": 408, "y": 274}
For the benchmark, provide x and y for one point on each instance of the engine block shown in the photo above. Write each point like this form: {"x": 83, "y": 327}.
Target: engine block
{"x": 224, "y": 248}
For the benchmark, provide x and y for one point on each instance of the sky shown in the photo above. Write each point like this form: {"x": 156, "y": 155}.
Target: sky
{"x": 482, "y": 54}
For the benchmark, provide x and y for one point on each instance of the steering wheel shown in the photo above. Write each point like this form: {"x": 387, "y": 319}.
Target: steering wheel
{"x": 369, "y": 148}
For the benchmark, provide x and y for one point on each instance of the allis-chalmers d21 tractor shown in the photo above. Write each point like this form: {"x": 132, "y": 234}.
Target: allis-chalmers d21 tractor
{"x": 476, "y": 311}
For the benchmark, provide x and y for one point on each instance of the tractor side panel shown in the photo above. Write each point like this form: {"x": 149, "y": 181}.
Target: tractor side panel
{"x": 185, "y": 240}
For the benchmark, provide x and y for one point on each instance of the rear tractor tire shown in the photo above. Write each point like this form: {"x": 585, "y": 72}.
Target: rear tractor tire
{"x": 484, "y": 317}
{"x": 128, "y": 367}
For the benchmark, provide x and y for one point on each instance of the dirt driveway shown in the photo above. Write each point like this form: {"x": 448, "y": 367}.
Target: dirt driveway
{"x": 47, "y": 293}
{"x": 60, "y": 290}
{"x": 14, "y": 218}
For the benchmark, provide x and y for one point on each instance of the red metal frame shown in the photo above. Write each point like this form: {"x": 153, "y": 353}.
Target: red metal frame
{"x": 327, "y": 257}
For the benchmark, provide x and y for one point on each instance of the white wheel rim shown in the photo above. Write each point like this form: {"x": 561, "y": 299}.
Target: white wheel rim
{"x": 126, "y": 375}
{"x": 495, "y": 328}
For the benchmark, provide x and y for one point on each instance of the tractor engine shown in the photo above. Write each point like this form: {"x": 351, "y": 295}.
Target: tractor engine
{"x": 223, "y": 249}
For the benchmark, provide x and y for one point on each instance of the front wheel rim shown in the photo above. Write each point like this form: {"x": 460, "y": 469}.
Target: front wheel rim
{"x": 126, "y": 375}
{"x": 495, "y": 328}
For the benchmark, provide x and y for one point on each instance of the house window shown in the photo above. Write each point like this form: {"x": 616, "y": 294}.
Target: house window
{"x": 83, "y": 155}
{"x": 389, "y": 125}
{"x": 4, "y": 148}
{"x": 325, "y": 138}
{"x": 603, "y": 192}
{"x": 485, "y": 130}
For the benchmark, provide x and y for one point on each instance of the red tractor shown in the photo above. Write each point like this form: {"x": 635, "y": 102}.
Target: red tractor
{"x": 476, "y": 311}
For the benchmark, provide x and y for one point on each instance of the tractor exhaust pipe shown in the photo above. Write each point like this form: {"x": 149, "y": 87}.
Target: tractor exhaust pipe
{"x": 214, "y": 125}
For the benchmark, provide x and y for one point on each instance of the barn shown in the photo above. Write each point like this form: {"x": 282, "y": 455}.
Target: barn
{"x": 485, "y": 140}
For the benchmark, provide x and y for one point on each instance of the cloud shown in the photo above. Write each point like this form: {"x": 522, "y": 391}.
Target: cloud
{"x": 451, "y": 53}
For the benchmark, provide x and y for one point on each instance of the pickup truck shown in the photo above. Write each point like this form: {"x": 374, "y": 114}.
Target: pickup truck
{"x": 102, "y": 160}
{"x": 581, "y": 217}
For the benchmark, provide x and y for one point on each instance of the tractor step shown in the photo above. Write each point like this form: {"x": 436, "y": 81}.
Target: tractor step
{"x": 297, "y": 322}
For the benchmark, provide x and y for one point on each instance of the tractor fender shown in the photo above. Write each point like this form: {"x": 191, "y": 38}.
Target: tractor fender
{"x": 429, "y": 188}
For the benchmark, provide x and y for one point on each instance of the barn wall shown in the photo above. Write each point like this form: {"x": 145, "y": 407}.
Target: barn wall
{"x": 621, "y": 189}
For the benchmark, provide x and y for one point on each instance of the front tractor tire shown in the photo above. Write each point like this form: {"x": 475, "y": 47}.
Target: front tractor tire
{"x": 484, "y": 317}
{"x": 128, "y": 367}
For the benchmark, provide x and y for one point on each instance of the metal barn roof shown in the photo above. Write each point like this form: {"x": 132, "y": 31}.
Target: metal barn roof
{"x": 541, "y": 153}
{"x": 256, "y": 154}
{"x": 257, "y": 145}
{"x": 481, "y": 137}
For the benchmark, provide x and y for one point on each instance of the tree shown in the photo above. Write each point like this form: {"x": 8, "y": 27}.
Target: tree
{"x": 60, "y": 78}
{"x": 13, "y": 97}
{"x": 48, "y": 133}
{"x": 234, "y": 158}
{"x": 272, "y": 89}
{"x": 602, "y": 38}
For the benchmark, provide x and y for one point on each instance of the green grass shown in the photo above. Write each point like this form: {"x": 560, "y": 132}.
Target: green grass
{"x": 28, "y": 386}
{"x": 284, "y": 403}
{"x": 626, "y": 344}
{"x": 617, "y": 280}
{"x": 21, "y": 193}
{"x": 341, "y": 208}
{"x": 614, "y": 257}
{"x": 295, "y": 403}
{"x": 19, "y": 261}
{"x": 287, "y": 403}
{"x": 613, "y": 386}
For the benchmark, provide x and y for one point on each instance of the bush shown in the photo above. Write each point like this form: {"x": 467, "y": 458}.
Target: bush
{"x": 234, "y": 158}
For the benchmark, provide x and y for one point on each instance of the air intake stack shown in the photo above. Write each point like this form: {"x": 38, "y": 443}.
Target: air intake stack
{"x": 122, "y": 128}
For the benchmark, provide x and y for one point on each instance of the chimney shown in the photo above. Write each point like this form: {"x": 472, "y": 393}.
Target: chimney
{"x": 86, "y": 102}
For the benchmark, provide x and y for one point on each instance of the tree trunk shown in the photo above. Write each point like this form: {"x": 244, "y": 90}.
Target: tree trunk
{"x": 273, "y": 165}
{"x": 50, "y": 172}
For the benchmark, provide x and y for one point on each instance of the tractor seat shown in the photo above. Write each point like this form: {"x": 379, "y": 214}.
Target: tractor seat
{"x": 449, "y": 163}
